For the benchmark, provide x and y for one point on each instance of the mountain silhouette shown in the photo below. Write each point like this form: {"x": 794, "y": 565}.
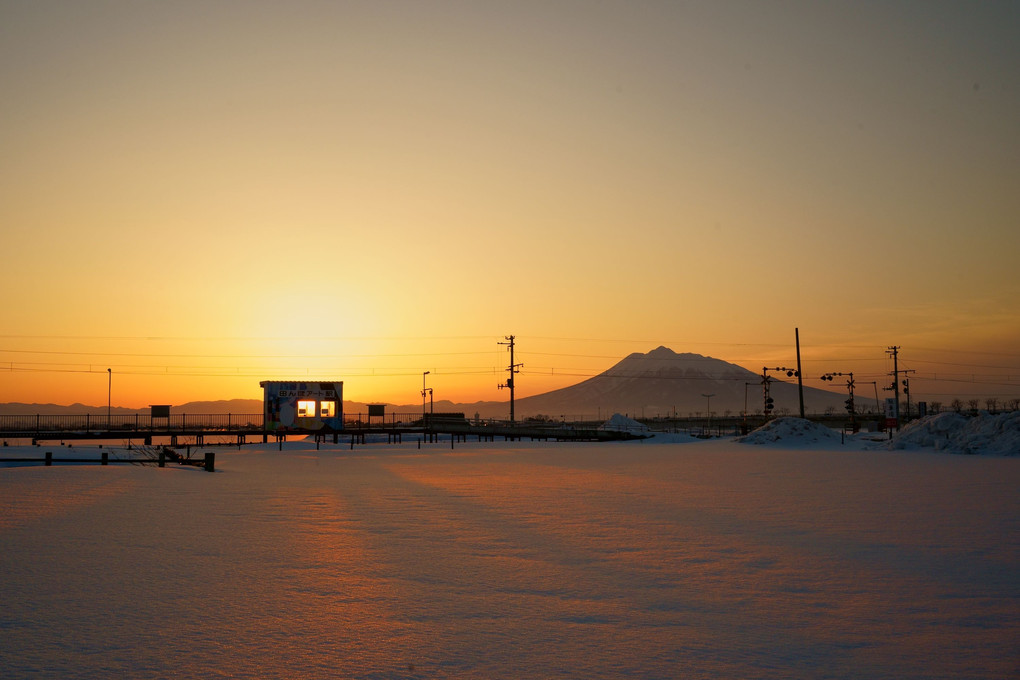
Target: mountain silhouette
{"x": 661, "y": 382}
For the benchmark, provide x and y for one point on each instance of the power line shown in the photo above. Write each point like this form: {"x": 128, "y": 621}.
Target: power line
{"x": 363, "y": 371}
{"x": 953, "y": 363}
{"x": 177, "y": 338}
{"x": 445, "y": 354}
{"x": 965, "y": 351}
{"x": 261, "y": 373}
{"x": 235, "y": 356}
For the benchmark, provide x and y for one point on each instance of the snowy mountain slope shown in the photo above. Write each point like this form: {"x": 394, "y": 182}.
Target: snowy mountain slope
{"x": 656, "y": 382}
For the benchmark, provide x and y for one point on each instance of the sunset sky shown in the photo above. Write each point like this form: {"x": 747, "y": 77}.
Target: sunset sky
{"x": 202, "y": 195}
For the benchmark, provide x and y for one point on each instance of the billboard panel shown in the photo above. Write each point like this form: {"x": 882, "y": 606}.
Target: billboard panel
{"x": 303, "y": 406}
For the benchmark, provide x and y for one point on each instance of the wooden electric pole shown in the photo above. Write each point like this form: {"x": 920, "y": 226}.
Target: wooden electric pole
{"x": 800, "y": 373}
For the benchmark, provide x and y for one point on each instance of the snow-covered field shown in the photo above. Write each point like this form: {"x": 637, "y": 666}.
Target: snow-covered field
{"x": 799, "y": 558}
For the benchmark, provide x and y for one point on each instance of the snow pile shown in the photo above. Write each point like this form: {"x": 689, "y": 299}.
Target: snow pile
{"x": 996, "y": 435}
{"x": 621, "y": 423}
{"x": 790, "y": 431}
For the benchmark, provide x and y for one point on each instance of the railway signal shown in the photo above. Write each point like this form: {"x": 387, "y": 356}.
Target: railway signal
{"x": 850, "y": 390}
{"x": 766, "y": 381}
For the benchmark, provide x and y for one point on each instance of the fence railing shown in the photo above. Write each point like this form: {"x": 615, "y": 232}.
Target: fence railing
{"x": 137, "y": 422}
{"x": 207, "y": 462}
{"x": 180, "y": 422}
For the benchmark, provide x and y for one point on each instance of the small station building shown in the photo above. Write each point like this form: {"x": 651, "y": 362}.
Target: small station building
{"x": 291, "y": 405}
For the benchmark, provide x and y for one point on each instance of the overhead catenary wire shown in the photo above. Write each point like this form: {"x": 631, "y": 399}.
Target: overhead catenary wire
{"x": 234, "y": 355}
{"x": 681, "y": 342}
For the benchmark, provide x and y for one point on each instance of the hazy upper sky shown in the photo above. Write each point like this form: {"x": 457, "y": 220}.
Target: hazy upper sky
{"x": 368, "y": 190}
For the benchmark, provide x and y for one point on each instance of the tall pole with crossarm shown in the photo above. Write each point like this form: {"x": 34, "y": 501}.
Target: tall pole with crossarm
{"x": 513, "y": 368}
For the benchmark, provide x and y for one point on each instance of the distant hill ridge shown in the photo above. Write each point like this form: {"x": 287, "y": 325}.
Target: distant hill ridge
{"x": 220, "y": 406}
{"x": 642, "y": 384}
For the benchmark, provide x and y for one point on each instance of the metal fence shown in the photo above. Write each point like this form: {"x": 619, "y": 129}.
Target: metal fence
{"x": 180, "y": 422}
{"x": 92, "y": 422}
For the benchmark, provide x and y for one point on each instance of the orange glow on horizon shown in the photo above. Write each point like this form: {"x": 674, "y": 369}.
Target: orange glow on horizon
{"x": 460, "y": 370}
{"x": 363, "y": 193}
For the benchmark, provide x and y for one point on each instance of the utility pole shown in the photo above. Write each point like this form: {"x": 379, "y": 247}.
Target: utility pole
{"x": 800, "y": 373}
{"x": 512, "y": 369}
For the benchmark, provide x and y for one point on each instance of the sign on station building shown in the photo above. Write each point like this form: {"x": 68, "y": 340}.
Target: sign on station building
{"x": 289, "y": 405}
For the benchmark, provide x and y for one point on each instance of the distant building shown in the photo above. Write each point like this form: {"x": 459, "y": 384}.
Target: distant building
{"x": 302, "y": 406}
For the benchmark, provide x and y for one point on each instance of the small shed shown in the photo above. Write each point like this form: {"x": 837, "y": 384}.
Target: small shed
{"x": 291, "y": 405}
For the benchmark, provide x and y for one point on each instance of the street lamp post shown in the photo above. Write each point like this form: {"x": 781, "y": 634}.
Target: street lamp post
{"x": 424, "y": 391}
{"x": 709, "y": 409}
{"x": 109, "y": 392}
